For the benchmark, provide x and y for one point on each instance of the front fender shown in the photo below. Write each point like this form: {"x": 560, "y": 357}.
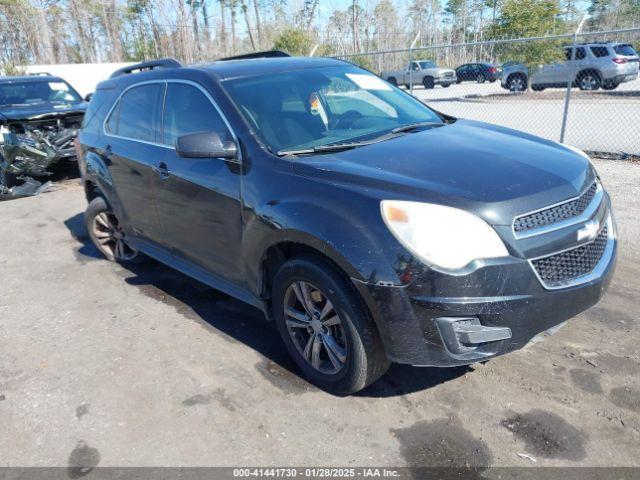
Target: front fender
{"x": 347, "y": 232}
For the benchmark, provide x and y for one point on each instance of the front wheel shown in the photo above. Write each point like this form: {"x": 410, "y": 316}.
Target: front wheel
{"x": 428, "y": 82}
{"x": 325, "y": 327}
{"x": 481, "y": 78}
{"x": 105, "y": 232}
{"x": 446, "y": 85}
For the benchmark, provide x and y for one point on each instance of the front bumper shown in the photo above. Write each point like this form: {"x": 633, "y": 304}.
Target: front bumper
{"x": 504, "y": 293}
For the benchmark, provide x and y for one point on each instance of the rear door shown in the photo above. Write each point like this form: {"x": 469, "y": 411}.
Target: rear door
{"x": 132, "y": 150}
{"x": 198, "y": 200}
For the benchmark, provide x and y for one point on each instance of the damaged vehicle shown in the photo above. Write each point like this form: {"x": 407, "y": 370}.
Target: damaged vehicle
{"x": 39, "y": 119}
{"x": 371, "y": 228}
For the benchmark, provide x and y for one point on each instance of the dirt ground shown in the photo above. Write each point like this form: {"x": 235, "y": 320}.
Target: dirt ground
{"x": 102, "y": 365}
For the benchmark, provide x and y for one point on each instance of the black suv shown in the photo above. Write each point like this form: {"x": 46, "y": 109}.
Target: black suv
{"x": 371, "y": 228}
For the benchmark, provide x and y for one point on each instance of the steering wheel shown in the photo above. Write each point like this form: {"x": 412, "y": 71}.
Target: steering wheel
{"x": 347, "y": 117}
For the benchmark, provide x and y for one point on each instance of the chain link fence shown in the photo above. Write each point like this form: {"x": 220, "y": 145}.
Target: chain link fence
{"x": 522, "y": 84}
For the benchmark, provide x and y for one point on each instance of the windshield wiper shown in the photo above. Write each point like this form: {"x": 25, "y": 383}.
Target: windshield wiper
{"x": 330, "y": 147}
{"x": 413, "y": 126}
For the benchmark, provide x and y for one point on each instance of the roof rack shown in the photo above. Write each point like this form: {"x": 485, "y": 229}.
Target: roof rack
{"x": 266, "y": 54}
{"x": 150, "y": 65}
{"x": 39, "y": 74}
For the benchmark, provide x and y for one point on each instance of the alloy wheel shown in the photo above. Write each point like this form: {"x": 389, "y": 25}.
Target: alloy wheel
{"x": 109, "y": 237}
{"x": 315, "y": 328}
{"x": 588, "y": 82}
{"x": 517, "y": 84}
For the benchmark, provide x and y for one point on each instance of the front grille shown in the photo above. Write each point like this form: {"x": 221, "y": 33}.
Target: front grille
{"x": 562, "y": 268}
{"x": 557, "y": 213}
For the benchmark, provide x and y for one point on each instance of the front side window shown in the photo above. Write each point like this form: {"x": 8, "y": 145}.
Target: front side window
{"x": 134, "y": 116}
{"x": 33, "y": 92}
{"x": 315, "y": 107}
{"x": 425, "y": 65}
{"x": 188, "y": 110}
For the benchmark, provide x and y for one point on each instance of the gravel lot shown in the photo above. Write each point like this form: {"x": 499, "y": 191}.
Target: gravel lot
{"x": 127, "y": 366}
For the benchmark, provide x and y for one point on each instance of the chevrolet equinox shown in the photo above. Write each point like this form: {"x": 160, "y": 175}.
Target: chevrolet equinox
{"x": 371, "y": 228}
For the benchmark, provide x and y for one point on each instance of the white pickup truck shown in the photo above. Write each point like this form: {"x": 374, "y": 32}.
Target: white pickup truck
{"x": 424, "y": 73}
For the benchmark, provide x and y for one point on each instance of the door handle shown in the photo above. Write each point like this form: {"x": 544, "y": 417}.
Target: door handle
{"x": 161, "y": 170}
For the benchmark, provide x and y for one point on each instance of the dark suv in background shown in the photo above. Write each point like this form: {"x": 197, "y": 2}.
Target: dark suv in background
{"x": 371, "y": 228}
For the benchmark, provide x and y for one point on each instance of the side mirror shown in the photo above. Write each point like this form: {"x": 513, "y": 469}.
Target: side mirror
{"x": 87, "y": 97}
{"x": 205, "y": 145}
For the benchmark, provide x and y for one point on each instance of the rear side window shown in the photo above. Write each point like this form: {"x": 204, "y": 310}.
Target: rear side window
{"x": 134, "y": 116}
{"x": 627, "y": 50}
{"x": 600, "y": 52}
{"x": 188, "y": 110}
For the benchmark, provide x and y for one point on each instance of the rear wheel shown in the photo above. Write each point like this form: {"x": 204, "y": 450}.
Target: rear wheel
{"x": 428, "y": 82}
{"x": 610, "y": 85}
{"x": 106, "y": 233}
{"x": 481, "y": 78}
{"x": 589, "y": 80}
{"x": 446, "y": 85}
{"x": 325, "y": 327}
{"x": 537, "y": 88}
{"x": 393, "y": 81}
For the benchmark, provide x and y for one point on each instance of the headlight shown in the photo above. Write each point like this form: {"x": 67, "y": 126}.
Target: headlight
{"x": 443, "y": 236}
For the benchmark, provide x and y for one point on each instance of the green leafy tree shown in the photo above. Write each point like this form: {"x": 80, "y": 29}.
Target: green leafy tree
{"x": 293, "y": 41}
{"x": 528, "y": 18}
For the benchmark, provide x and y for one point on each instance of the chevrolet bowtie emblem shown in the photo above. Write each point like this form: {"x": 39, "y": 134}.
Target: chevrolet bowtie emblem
{"x": 589, "y": 231}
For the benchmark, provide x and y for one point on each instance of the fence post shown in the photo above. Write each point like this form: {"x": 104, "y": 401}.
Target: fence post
{"x": 413, "y": 44}
{"x": 572, "y": 71}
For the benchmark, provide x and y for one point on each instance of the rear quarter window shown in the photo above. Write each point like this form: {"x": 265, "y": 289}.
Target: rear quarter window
{"x": 627, "y": 50}
{"x": 96, "y": 111}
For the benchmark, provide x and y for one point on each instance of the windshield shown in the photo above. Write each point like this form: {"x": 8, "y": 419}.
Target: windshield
{"x": 308, "y": 108}
{"x": 624, "y": 50}
{"x": 425, "y": 65}
{"x": 33, "y": 92}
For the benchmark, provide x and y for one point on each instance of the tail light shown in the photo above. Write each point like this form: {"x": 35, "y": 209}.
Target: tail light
{"x": 493, "y": 69}
{"x": 619, "y": 61}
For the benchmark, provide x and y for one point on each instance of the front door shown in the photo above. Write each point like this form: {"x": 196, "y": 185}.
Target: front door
{"x": 198, "y": 199}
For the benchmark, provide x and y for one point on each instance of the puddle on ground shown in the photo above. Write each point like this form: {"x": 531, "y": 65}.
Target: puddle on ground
{"x": 443, "y": 443}
{"x": 547, "y": 434}
{"x": 626, "y": 397}
{"x": 586, "y": 380}
{"x": 82, "y": 460}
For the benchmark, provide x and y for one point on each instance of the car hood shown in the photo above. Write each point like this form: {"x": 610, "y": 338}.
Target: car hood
{"x": 496, "y": 172}
{"x": 41, "y": 111}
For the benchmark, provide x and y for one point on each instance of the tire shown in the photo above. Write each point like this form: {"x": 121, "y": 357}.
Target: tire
{"x": 481, "y": 78}
{"x": 360, "y": 359}
{"x": 458, "y": 81}
{"x": 610, "y": 85}
{"x": 393, "y": 81}
{"x": 517, "y": 83}
{"x": 428, "y": 83}
{"x": 589, "y": 80}
{"x": 446, "y": 85}
{"x": 537, "y": 88}
{"x": 106, "y": 234}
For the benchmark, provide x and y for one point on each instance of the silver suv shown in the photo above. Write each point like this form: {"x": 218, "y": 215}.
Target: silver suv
{"x": 594, "y": 65}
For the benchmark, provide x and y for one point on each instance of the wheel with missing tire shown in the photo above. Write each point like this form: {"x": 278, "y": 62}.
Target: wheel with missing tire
{"x": 105, "y": 232}
{"x": 325, "y": 326}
